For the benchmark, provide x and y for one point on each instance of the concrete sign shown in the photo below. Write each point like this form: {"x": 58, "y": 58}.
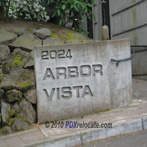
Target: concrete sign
{"x": 72, "y": 80}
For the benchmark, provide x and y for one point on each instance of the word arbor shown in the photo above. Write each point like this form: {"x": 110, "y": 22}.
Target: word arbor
{"x": 73, "y": 71}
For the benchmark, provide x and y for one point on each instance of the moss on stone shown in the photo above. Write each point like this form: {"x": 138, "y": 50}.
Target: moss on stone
{"x": 28, "y": 56}
{"x": 70, "y": 37}
{"x": 23, "y": 120}
{"x": 11, "y": 120}
{"x": 12, "y": 95}
{"x": 74, "y": 37}
{"x": 54, "y": 36}
{"x": 25, "y": 76}
{"x": 11, "y": 112}
{"x": 21, "y": 101}
{"x": 18, "y": 61}
{"x": 0, "y": 115}
{"x": 13, "y": 32}
{"x": 2, "y": 76}
{"x": 25, "y": 84}
{"x": 10, "y": 116}
{"x": 0, "y": 66}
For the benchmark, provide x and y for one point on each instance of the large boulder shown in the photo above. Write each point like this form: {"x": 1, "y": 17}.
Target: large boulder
{"x": 26, "y": 42}
{"x": 6, "y": 130}
{"x": 19, "y": 31}
{"x": 26, "y": 57}
{"x": 4, "y": 53}
{"x": 27, "y": 111}
{"x": 19, "y": 79}
{"x": 42, "y": 33}
{"x": 19, "y": 125}
{"x": 4, "y": 111}
{"x": 31, "y": 95}
{"x": 7, "y": 37}
{"x": 16, "y": 60}
{"x": 13, "y": 95}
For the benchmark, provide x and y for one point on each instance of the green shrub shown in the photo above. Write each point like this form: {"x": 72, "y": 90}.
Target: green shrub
{"x": 76, "y": 11}
{"x": 4, "y": 9}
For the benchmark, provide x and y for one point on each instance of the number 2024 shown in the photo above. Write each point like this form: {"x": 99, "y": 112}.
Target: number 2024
{"x": 53, "y": 54}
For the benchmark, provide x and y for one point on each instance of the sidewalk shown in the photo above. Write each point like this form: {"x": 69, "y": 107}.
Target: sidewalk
{"x": 124, "y": 120}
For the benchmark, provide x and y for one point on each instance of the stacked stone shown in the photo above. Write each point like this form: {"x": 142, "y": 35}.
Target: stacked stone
{"x": 17, "y": 83}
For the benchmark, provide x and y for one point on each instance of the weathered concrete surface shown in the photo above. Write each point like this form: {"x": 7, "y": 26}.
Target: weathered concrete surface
{"x": 82, "y": 80}
{"x": 89, "y": 98}
{"x": 121, "y": 75}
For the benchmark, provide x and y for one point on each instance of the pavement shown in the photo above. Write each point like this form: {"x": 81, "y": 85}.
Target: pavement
{"x": 138, "y": 139}
{"x": 129, "y": 119}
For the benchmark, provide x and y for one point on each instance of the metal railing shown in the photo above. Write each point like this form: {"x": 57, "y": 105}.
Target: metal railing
{"x": 126, "y": 59}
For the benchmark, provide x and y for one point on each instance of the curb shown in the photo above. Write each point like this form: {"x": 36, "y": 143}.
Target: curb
{"x": 144, "y": 122}
{"x": 93, "y": 135}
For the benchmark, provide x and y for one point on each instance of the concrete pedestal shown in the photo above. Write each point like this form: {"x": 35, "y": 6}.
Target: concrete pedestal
{"x": 78, "y": 79}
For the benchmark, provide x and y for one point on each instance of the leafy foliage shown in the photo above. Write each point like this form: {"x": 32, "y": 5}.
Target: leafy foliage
{"x": 4, "y": 8}
{"x": 28, "y": 10}
{"x": 72, "y": 10}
